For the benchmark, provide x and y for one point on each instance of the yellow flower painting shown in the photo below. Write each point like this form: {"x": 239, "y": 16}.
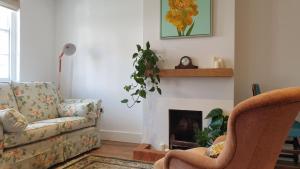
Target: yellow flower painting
{"x": 185, "y": 18}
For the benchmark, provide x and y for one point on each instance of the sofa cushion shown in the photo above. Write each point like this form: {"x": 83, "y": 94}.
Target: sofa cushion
{"x": 7, "y": 98}
{"x": 12, "y": 120}
{"x": 36, "y": 100}
{"x": 33, "y": 132}
{"x": 96, "y": 102}
{"x": 77, "y": 110}
{"x": 67, "y": 124}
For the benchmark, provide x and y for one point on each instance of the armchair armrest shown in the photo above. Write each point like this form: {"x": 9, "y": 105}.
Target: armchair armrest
{"x": 199, "y": 161}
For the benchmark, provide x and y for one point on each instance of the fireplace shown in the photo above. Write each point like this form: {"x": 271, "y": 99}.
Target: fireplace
{"x": 182, "y": 127}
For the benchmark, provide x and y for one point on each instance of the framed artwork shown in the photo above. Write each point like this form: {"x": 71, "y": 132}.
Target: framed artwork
{"x": 186, "y": 18}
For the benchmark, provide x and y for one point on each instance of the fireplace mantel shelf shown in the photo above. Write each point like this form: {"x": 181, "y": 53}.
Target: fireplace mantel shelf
{"x": 209, "y": 72}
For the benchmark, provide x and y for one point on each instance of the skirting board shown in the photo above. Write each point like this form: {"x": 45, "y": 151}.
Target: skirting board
{"x": 121, "y": 136}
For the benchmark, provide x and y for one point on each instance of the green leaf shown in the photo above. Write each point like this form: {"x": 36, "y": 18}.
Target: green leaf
{"x": 217, "y": 124}
{"x": 190, "y": 29}
{"x": 215, "y": 133}
{"x": 156, "y": 70}
{"x": 136, "y": 92}
{"x": 202, "y": 137}
{"x": 152, "y": 89}
{"x": 143, "y": 94}
{"x": 124, "y": 101}
{"x": 135, "y": 55}
{"x": 139, "y": 48}
{"x": 179, "y": 33}
{"x": 158, "y": 90}
{"x": 127, "y": 88}
{"x": 148, "y": 45}
{"x": 158, "y": 78}
{"x": 214, "y": 113}
{"x": 139, "y": 80}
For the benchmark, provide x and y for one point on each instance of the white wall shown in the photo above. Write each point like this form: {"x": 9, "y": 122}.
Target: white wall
{"x": 105, "y": 33}
{"x": 201, "y": 94}
{"x": 37, "y": 38}
{"x": 267, "y": 45}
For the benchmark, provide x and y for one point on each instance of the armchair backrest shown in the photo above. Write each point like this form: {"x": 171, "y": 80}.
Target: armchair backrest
{"x": 257, "y": 129}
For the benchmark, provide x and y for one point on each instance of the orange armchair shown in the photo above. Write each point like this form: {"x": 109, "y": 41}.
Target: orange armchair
{"x": 257, "y": 129}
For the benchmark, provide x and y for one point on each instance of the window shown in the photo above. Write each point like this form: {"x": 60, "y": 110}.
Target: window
{"x": 8, "y": 45}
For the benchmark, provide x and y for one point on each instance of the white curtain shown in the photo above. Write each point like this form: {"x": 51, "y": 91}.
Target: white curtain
{"x": 11, "y": 4}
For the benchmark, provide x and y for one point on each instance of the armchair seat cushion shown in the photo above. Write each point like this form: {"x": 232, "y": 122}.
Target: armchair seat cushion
{"x": 67, "y": 124}
{"x": 33, "y": 132}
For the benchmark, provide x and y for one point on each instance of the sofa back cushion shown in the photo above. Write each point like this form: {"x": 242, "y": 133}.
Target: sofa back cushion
{"x": 36, "y": 100}
{"x": 7, "y": 98}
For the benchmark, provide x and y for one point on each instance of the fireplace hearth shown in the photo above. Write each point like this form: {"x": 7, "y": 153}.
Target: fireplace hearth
{"x": 182, "y": 127}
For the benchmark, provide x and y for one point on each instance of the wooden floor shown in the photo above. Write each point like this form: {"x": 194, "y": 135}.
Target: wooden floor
{"x": 125, "y": 151}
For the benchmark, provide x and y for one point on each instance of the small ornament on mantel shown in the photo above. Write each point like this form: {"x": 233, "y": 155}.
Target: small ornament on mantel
{"x": 218, "y": 62}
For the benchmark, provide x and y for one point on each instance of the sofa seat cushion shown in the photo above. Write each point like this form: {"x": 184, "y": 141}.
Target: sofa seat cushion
{"x": 33, "y": 132}
{"x": 67, "y": 124}
{"x": 36, "y": 100}
{"x": 7, "y": 98}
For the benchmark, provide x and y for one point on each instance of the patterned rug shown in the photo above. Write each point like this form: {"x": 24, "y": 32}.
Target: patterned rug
{"x": 99, "y": 162}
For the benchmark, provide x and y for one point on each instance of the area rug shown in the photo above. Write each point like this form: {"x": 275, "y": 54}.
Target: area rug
{"x": 100, "y": 162}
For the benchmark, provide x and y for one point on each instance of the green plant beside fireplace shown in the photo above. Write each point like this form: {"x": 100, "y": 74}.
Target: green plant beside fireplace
{"x": 146, "y": 75}
{"x": 216, "y": 128}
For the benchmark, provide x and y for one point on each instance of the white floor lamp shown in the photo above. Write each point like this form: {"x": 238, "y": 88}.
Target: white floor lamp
{"x": 68, "y": 50}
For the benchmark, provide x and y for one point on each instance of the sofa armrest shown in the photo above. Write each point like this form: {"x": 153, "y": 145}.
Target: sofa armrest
{"x": 97, "y": 107}
{"x": 1, "y": 139}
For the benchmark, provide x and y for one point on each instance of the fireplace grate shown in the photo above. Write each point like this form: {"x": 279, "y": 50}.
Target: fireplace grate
{"x": 182, "y": 127}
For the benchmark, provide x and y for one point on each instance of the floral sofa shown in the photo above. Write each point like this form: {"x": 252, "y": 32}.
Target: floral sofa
{"x": 56, "y": 130}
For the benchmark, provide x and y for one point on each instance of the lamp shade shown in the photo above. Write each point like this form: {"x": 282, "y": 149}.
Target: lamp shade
{"x": 69, "y": 49}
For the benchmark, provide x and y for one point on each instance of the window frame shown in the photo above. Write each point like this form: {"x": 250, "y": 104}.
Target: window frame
{"x": 12, "y": 47}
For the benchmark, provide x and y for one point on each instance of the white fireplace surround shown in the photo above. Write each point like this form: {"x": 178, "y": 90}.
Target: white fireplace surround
{"x": 156, "y": 116}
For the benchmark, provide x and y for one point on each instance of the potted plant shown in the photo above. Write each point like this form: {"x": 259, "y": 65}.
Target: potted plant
{"x": 216, "y": 128}
{"x": 145, "y": 76}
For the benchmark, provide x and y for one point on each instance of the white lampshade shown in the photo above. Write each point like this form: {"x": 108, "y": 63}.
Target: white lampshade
{"x": 69, "y": 49}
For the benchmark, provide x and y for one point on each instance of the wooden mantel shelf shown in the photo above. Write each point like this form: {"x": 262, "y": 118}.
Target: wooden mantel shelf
{"x": 211, "y": 72}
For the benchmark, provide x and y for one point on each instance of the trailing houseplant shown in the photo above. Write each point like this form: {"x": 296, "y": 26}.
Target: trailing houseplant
{"x": 145, "y": 76}
{"x": 216, "y": 128}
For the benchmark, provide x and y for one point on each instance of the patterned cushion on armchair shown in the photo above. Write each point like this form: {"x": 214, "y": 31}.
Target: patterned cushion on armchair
{"x": 36, "y": 100}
